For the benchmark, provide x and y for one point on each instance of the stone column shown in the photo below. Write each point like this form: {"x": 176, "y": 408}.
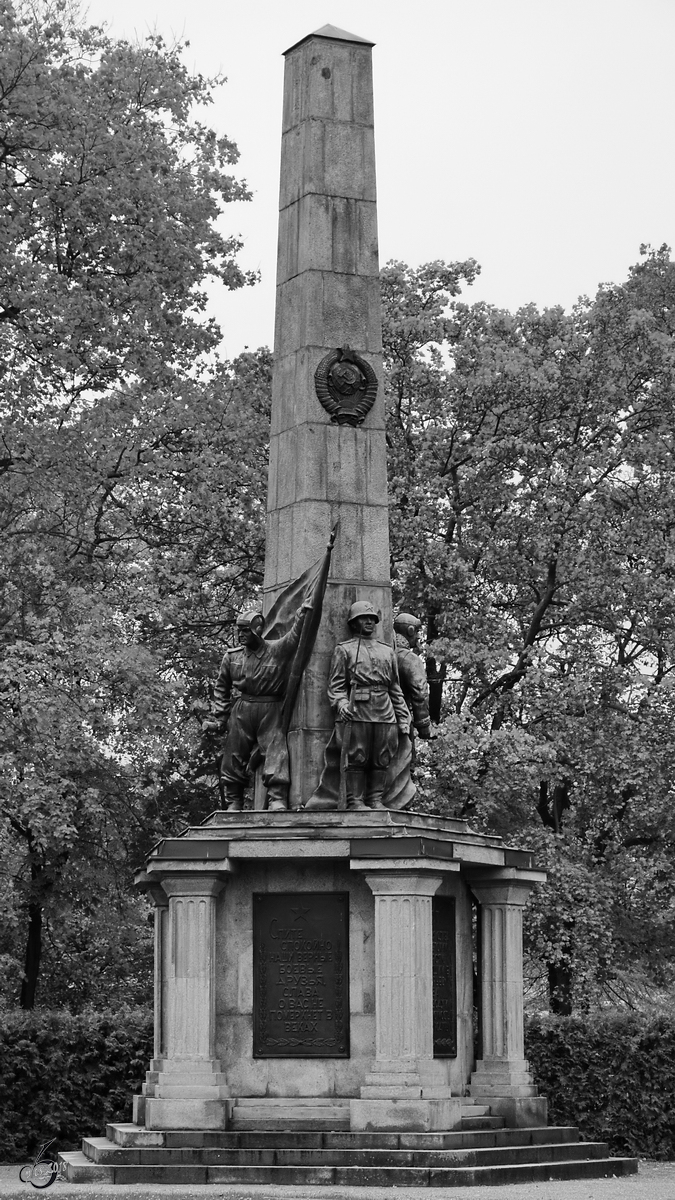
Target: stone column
{"x": 403, "y": 1015}
{"x": 161, "y": 902}
{"x": 161, "y": 918}
{"x": 328, "y": 296}
{"x": 185, "y": 1088}
{"x": 501, "y": 1078}
{"x": 406, "y": 1088}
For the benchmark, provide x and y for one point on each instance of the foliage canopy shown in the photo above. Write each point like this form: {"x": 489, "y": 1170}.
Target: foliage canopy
{"x": 532, "y": 518}
{"x": 533, "y": 515}
{"x": 126, "y": 523}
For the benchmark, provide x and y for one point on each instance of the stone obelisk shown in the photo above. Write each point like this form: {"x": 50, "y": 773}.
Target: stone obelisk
{"x": 323, "y": 470}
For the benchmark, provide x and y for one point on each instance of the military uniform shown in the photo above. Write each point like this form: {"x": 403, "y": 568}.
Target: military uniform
{"x": 364, "y": 674}
{"x": 414, "y": 685}
{"x": 248, "y": 696}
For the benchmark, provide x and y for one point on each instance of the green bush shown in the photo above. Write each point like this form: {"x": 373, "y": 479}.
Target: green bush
{"x": 612, "y": 1074}
{"x": 63, "y": 1075}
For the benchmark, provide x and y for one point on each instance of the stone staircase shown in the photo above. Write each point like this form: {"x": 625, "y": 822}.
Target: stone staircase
{"x": 301, "y": 1113}
{"x": 482, "y": 1151}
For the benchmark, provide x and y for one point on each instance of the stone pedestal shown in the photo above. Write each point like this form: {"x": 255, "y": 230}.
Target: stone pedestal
{"x": 185, "y": 1088}
{"x": 501, "y": 1078}
{"x": 210, "y": 1072}
{"x": 406, "y": 1088}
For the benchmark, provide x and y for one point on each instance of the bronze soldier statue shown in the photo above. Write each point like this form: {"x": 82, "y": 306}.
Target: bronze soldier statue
{"x": 412, "y": 672}
{"x": 248, "y": 701}
{"x": 371, "y": 712}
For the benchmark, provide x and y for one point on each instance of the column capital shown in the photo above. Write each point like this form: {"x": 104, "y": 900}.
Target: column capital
{"x": 193, "y": 885}
{"x": 504, "y": 887}
{"x": 400, "y": 883}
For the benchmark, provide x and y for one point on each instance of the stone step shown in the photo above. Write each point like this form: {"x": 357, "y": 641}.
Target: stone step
{"x": 293, "y": 1101}
{"x": 104, "y": 1152}
{"x": 80, "y": 1170}
{"x": 302, "y": 1117}
{"x": 128, "y": 1134}
{"x": 290, "y": 1112}
{"x": 482, "y": 1122}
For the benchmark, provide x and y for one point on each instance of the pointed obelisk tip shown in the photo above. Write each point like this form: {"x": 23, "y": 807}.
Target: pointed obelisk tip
{"x": 332, "y": 33}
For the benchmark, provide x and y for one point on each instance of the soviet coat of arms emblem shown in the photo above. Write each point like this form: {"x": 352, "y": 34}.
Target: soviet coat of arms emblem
{"x": 346, "y": 386}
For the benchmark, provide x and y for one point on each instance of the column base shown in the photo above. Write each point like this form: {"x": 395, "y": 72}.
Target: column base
{"x": 185, "y": 1094}
{"x": 405, "y": 1115}
{"x": 508, "y": 1087}
{"x": 502, "y": 1077}
{"x": 424, "y": 1078}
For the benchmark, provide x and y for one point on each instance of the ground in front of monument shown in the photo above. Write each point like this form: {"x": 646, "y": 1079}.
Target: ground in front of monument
{"x": 655, "y": 1181}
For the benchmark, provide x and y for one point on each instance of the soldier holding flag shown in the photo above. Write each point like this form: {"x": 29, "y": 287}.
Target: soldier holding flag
{"x": 258, "y": 683}
{"x": 248, "y": 700}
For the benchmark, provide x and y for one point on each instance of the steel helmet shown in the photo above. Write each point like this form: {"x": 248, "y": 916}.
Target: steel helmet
{"x": 247, "y": 616}
{"x": 405, "y": 620}
{"x": 362, "y": 608}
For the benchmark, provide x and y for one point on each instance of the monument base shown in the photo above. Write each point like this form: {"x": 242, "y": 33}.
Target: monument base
{"x": 184, "y": 1113}
{"x": 409, "y": 1115}
{"x": 336, "y": 963}
{"x": 184, "y": 1095}
{"x": 509, "y": 1089}
{"x": 518, "y": 1112}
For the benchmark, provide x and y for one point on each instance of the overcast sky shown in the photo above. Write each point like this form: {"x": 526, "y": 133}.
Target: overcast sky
{"x": 533, "y": 135}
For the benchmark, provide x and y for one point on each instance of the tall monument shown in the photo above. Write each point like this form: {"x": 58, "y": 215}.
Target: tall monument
{"x": 327, "y": 444}
{"x": 314, "y": 969}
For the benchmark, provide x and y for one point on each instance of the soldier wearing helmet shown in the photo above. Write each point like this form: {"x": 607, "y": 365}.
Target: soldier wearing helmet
{"x": 411, "y": 671}
{"x": 364, "y": 690}
{"x": 248, "y": 700}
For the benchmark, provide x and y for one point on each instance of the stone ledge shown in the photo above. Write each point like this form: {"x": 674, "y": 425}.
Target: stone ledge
{"x": 518, "y": 1111}
{"x": 405, "y": 1115}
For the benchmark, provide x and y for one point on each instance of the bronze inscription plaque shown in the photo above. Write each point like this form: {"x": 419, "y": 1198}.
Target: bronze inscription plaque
{"x": 300, "y": 975}
{"x": 444, "y": 977}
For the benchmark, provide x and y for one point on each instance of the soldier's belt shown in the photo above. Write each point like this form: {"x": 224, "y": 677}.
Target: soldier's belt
{"x": 258, "y": 699}
{"x": 364, "y": 694}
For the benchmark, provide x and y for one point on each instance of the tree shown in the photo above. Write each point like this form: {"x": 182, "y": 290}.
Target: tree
{"x": 111, "y": 192}
{"x": 127, "y": 526}
{"x": 532, "y": 520}
{"x": 532, "y": 525}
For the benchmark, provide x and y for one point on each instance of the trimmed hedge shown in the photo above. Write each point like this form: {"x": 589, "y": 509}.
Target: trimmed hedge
{"x": 63, "y": 1076}
{"x": 612, "y": 1074}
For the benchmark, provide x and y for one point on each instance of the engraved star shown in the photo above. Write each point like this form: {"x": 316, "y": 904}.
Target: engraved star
{"x": 299, "y": 913}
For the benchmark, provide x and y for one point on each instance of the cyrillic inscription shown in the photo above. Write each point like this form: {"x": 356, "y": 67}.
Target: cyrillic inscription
{"x": 300, "y": 975}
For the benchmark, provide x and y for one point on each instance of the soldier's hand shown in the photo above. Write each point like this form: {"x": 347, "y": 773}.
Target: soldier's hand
{"x": 404, "y": 730}
{"x": 344, "y": 712}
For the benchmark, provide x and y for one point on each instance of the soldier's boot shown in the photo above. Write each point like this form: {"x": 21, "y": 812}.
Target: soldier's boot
{"x": 376, "y": 782}
{"x": 355, "y": 787}
{"x": 234, "y": 797}
{"x": 277, "y": 798}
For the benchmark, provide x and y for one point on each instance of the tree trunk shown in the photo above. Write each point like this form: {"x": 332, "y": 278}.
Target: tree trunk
{"x": 560, "y": 989}
{"x": 436, "y": 673}
{"x": 33, "y": 953}
{"x": 435, "y": 678}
